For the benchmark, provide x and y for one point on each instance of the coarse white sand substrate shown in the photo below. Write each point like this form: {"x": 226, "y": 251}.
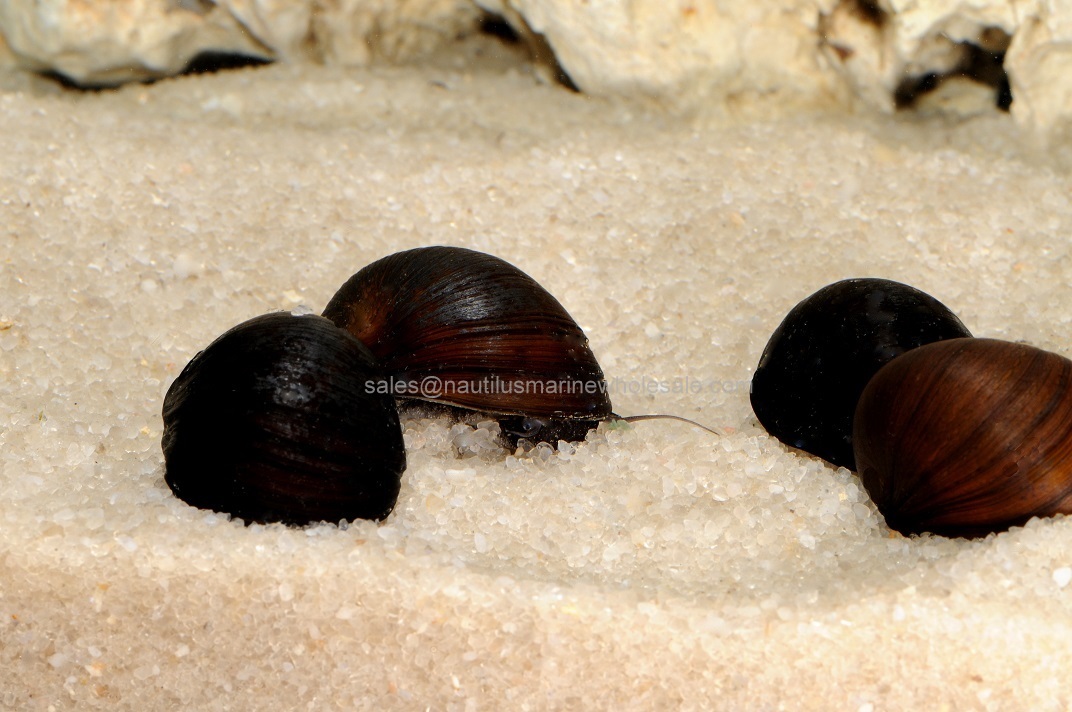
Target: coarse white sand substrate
{"x": 654, "y": 566}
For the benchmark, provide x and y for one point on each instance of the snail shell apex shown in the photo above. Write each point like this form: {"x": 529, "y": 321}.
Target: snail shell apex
{"x": 967, "y": 437}
{"x": 495, "y": 339}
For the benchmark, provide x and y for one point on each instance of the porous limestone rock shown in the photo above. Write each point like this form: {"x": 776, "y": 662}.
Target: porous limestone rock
{"x": 879, "y": 46}
{"x": 353, "y": 32}
{"x": 1039, "y": 63}
{"x": 680, "y": 54}
{"x": 114, "y": 41}
{"x": 889, "y": 51}
{"x": 685, "y": 53}
{"x": 695, "y": 52}
{"x": 882, "y": 54}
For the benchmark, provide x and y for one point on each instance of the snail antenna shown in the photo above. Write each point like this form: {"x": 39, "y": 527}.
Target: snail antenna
{"x": 660, "y": 416}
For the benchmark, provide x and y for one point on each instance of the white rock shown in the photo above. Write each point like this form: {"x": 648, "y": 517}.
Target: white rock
{"x": 680, "y": 53}
{"x": 115, "y": 42}
{"x": 856, "y": 47}
{"x": 920, "y": 37}
{"x": 353, "y": 31}
{"x": 875, "y": 46}
{"x": 688, "y": 55}
{"x": 683, "y": 55}
{"x": 1039, "y": 63}
{"x": 958, "y": 96}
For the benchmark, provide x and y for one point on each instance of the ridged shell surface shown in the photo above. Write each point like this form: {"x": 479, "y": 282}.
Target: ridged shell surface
{"x": 274, "y": 421}
{"x": 967, "y": 437}
{"x": 461, "y": 327}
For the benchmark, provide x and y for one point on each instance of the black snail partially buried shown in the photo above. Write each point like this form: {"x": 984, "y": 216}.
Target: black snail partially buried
{"x": 824, "y": 352}
{"x": 275, "y": 421}
{"x": 967, "y": 437}
{"x": 467, "y": 329}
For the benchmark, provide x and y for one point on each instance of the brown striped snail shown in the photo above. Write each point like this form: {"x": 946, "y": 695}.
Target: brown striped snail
{"x": 967, "y": 437}
{"x": 466, "y": 329}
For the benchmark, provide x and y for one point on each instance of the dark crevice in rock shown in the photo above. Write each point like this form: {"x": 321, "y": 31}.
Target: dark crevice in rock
{"x": 911, "y": 88}
{"x": 70, "y": 83}
{"x": 496, "y": 26}
{"x": 202, "y": 63}
{"x": 513, "y": 30}
{"x": 981, "y": 62}
{"x": 987, "y": 67}
{"x": 1004, "y": 99}
{"x": 868, "y": 11}
{"x": 543, "y": 55}
{"x": 209, "y": 62}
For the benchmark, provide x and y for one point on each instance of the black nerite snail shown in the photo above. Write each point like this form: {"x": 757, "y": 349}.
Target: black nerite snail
{"x": 828, "y": 347}
{"x": 275, "y": 421}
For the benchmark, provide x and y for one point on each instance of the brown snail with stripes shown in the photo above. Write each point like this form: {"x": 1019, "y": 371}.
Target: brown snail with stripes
{"x": 469, "y": 330}
{"x": 967, "y": 436}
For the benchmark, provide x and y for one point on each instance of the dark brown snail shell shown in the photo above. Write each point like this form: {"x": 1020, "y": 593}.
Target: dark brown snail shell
{"x": 467, "y": 329}
{"x": 277, "y": 421}
{"x": 828, "y": 347}
{"x": 967, "y": 437}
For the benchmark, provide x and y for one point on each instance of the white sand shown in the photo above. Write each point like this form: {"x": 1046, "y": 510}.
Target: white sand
{"x": 655, "y": 566}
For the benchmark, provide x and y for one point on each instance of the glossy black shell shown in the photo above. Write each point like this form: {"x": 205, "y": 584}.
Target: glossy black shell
{"x": 464, "y": 328}
{"x": 824, "y": 352}
{"x": 276, "y": 421}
